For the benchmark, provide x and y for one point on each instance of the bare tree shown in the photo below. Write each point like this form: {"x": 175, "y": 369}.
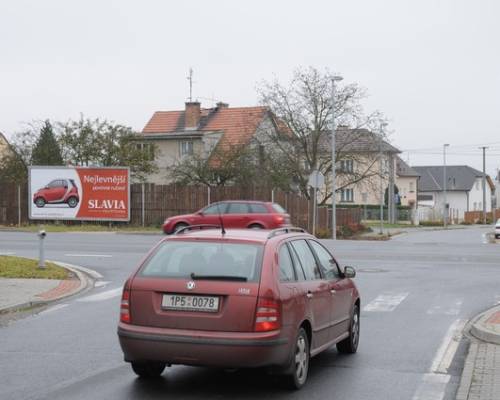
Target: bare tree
{"x": 222, "y": 166}
{"x": 303, "y": 109}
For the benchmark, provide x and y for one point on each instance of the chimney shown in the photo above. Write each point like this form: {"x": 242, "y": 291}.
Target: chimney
{"x": 221, "y": 105}
{"x": 192, "y": 115}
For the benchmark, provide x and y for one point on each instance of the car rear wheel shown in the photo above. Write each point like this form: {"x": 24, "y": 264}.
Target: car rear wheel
{"x": 72, "y": 202}
{"x": 256, "y": 226}
{"x": 148, "y": 369}
{"x": 297, "y": 372}
{"x": 40, "y": 202}
{"x": 350, "y": 344}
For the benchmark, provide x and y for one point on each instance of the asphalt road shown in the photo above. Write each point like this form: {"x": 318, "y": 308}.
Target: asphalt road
{"x": 416, "y": 289}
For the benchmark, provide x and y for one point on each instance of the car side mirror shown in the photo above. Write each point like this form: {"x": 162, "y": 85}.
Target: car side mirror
{"x": 349, "y": 272}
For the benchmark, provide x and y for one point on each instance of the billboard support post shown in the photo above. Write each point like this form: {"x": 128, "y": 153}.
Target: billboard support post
{"x": 41, "y": 250}
{"x": 18, "y": 205}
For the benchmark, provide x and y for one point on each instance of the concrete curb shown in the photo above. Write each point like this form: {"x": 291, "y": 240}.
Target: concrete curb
{"x": 87, "y": 278}
{"x": 480, "y": 329}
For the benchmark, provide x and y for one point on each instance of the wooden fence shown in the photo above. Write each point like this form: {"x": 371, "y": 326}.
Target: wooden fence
{"x": 162, "y": 201}
{"x": 473, "y": 217}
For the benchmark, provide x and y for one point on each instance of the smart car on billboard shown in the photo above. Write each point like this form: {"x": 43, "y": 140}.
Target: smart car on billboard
{"x": 79, "y": 193}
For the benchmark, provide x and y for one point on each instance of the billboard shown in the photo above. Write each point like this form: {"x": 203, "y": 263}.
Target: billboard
{"x": 79, "y": 193}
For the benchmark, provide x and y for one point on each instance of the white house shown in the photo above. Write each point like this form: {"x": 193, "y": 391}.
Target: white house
{"x": 464, "y": 191}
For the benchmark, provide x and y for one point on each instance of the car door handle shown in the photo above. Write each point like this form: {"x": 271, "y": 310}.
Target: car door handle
{"x": 309, "y": 295}
{"x": 333, "y": 291}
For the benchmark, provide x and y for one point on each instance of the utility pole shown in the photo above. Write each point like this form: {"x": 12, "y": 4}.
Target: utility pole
{"x": 484, "y": 183}
{"x": 334, "y": 176}
{"x": 390, "y": 194}
{"x": 445, "y": 208}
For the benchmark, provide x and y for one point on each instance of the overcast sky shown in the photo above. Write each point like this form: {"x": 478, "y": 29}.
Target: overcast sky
{"x": 432, "y": 66}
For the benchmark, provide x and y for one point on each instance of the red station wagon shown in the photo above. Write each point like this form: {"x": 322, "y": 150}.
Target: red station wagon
{"x": 238, "y": 299}
{"x": 235, "y": 214}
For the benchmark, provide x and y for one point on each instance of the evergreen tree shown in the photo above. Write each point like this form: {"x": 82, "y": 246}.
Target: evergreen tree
{"x": 46, "y": 150}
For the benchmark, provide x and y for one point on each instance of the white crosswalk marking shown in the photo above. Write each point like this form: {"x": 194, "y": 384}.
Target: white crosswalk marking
{"x": 385, "y": 302}
{"x": 109, "y": 294}
{"x": 446, "y": 307}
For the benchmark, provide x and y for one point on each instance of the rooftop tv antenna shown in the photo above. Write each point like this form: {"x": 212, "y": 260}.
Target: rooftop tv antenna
{"x": 190, "y": 79}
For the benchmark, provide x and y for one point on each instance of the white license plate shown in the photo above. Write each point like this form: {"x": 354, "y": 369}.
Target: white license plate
{"x": 190, "y": 303}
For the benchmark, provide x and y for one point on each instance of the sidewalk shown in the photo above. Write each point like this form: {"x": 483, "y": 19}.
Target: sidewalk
{"x": 17, "y": 294}
{"x": 481, "y": 374}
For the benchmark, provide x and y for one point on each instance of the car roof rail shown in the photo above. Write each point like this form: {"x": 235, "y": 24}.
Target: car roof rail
{"x": 289, "y": 229}
{"x": 200, "y": 227}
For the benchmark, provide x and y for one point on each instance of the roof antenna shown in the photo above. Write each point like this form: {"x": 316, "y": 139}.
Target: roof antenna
{"x": 190, "y": 79}
{"x": 223, "y": 231}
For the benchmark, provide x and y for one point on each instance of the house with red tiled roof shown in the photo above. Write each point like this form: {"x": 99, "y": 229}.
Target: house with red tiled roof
{"x": 196, "y": 130}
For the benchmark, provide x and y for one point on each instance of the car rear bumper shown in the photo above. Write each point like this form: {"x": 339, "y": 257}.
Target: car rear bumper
{"x": 220, "y": 349}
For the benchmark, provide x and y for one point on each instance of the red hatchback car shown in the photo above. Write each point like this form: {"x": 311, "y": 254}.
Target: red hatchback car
{"x": 235, "y": 214}
{"x": 238, "y": 299}
{"x": 56, "y": 192}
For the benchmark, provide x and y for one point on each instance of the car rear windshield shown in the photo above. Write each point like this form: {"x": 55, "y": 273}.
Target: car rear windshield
{"x": 181, "y": 259}
{"x": 279, "y": 209}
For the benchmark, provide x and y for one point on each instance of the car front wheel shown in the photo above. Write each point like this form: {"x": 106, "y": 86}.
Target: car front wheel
{"x": 148, "y": 369}
{"x": 297, "y": 372}
{"x": 350, "y": 344}
{"x": 40, "y": 202}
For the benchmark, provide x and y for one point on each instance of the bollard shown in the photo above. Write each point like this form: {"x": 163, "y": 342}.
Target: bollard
{"x": 41, "y": 250}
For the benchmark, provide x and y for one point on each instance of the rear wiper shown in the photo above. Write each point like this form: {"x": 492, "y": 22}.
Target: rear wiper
{"x": 218, "y": 277}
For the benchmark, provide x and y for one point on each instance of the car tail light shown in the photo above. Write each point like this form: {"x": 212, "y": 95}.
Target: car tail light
{"x": 279, "y": 219}
{"x": 267, "y": 316}
{"x": 125, "y": 306}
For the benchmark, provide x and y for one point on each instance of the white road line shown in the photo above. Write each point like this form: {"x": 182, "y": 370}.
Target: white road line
{"x": 385, "y": 302}
{"x": 109, "y": 294}
{"x": 449, "y": 345}
{"x": 55, "y": 308}
{"x": 89, "y": 255}
{"x": 446, "y": 309}
{"x": 432, "y": 387}
{"x": 100, "y": 284}
{"x": 433, "y": 384}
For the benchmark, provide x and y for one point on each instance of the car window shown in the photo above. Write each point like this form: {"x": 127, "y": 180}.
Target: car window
{"x": 258, "y": 208}
{"x": 307, "y": 259}
{"x": 287, "y": 272}
{"x": 237, "y": 208}
{"x": 301, "y": 275}
{"x": 179, "y": 259}
{"x": 278, "y": 208}
{"x": 53, "y": 184}
{"x": 326, "y": 261}
{"x": 217, "y": 208}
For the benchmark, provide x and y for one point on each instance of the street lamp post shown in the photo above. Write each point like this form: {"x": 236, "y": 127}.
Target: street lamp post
{"x": 335, "y": 78}
{"x": 445, "y": 208}
{"x": 381, "y": 173}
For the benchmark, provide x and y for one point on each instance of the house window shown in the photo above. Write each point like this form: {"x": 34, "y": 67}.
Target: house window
{"x": 148, "y": 149}
{"x": 477, "y": 185}
{"x": 347, "y": 195}
{"x": 186, "y": 148}
{"x": 475, "y": 206}
{"x": 347, "y": 166}
{"x": 412, "y": 187}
